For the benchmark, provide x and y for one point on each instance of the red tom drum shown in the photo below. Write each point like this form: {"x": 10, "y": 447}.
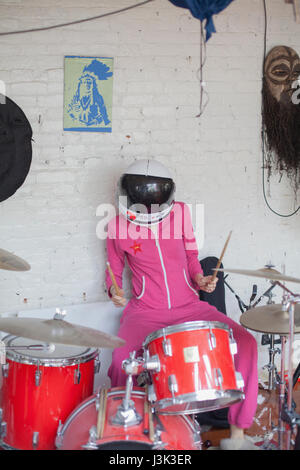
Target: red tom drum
{"x": 194, "y": 370}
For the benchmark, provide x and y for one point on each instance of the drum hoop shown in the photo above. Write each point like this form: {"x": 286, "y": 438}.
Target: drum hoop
{"x": 182, "y": 327}
{"x": 16, "y": 356}
{"x": 200, "y": 396}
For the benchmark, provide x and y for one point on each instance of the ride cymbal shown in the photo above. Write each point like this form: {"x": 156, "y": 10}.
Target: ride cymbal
{"x": 270, "y": 319}
{"x": 59, "y": 331}
{"x": 267, "y": 273}
{"x": 11, "y": 262}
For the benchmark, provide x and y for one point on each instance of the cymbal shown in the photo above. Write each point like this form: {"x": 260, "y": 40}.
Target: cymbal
{"x": 59, "y": 331}
{"x": 270, "y": 319}
{"x": 11, "y": 262}
{"x": 267, "y": 273}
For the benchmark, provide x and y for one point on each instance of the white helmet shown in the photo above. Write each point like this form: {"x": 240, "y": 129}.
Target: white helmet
{"x": 146, "y": 192}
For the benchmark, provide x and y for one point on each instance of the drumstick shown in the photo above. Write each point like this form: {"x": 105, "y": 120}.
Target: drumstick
{"x": 113, "y": 279}
{"x": 101, "y": 412}
{"x": 221, "y": 257}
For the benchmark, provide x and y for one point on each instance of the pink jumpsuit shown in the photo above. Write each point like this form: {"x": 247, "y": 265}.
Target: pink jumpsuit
{"x": 163, "y": 267}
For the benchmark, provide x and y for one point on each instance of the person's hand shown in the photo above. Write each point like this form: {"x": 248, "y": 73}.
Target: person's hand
{"x": 118, "y": 300}
{"x": 206, "y": 283}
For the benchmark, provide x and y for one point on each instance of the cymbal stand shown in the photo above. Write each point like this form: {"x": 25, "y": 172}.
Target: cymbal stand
{"x": 266, "y": 339}
{"x": 286, "y": 406}
{"x": 270, "y": 339}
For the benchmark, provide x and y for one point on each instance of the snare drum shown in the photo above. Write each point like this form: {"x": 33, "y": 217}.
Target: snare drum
{"x": 40, "y": 389}
{"x": 149, "y": 432}
{"x": 193, "y": 368}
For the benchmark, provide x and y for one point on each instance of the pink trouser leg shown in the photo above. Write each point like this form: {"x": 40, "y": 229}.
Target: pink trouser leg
{"x": 134, "y": 329}
{"x": 136, "y": 324}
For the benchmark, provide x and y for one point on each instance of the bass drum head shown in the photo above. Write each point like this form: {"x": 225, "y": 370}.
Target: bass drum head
{"x": 124, "y": 445}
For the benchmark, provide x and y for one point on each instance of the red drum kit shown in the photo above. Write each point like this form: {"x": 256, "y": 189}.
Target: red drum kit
{"x": 46, "y": 395}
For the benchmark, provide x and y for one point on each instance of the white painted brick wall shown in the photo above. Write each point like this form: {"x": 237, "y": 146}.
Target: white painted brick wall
{"x": 51, "y": 221}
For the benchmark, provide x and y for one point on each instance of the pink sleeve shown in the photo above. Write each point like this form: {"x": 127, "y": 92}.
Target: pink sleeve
{"x": 116, "y": 259}
{"x": 190, "y": 244}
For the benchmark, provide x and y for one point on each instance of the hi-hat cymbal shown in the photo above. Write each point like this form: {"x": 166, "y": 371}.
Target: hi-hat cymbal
{"x": 11, "y": 262}
{"x": 59, "y": 331}
{"x": 270, "y": 319}
{"x": 267, "y": 273}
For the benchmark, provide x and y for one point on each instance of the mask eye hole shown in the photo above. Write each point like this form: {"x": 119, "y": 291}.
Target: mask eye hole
{"x": 280, "y": 72}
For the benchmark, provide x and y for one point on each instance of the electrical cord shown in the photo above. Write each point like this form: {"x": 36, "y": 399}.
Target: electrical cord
{"x": 202, "y": 62}
{"x": 262, "y": 129}
{"x": 77, "y": 21}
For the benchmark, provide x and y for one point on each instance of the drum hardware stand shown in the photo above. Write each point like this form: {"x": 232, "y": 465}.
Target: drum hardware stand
{"x": 286, "y": 405}
{"x": 126, "y": 414}
{"x": 270, "y": 339}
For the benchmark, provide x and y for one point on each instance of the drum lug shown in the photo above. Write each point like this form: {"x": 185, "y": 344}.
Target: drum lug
{"x": 59, "y": 435}
{"x": 77, "y": 375}
{"x": 37, "y": 376}
{"x": 212, "y": 342}
{"x": 3, "y": 428}
{"x": 167, "y": 347}
{"x": 5, "y": 368}
{"x": 173, "y": 385}
{"x": 218, "y": 378}
{"x": 35, "y": 440}
{"x": 233, "y": 344}
{"x": 97, "y": 365}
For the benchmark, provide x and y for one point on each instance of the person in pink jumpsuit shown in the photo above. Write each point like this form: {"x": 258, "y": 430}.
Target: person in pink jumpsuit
{"x": 166, "y": 278}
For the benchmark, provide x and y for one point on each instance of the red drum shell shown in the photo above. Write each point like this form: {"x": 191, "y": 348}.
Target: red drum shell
{"x": 201, "y": 365}
{"x": 28, "y": 408}
{"x": 179, "y": 432}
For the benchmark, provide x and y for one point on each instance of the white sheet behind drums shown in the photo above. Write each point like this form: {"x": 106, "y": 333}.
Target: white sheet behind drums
{"x": 103, "y": 316}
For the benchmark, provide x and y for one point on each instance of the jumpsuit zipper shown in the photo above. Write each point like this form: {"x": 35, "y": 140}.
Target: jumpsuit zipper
{"x": 164, "y": 269}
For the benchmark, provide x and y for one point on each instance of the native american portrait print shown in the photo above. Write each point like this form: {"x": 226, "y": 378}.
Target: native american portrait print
{"x": 88, "y": 94}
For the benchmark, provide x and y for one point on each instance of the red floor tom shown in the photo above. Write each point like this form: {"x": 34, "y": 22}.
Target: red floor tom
{"x": 39, "y": 389}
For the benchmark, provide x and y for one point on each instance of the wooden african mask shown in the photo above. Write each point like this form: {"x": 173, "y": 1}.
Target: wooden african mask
{"x": 281, "y": 69}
